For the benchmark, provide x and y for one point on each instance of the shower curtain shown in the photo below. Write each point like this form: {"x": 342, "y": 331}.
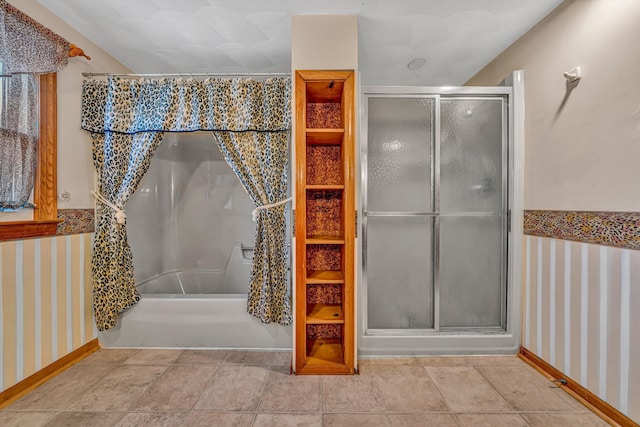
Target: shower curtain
{"x": 250, "y": 119}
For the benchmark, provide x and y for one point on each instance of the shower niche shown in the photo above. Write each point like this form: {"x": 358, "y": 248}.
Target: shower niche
{"x": 325, "y": 222}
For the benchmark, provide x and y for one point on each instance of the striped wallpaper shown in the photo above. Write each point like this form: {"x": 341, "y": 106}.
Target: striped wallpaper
{"x": 582, "y": 315}
{"x": 45, "y": 297}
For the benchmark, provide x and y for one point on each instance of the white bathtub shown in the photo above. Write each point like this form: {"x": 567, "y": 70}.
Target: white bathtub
{"x": 195, "y": 309}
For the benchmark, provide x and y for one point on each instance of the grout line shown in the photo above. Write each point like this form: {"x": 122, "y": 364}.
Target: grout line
{"x": 426, "y": 372}
{"x": 495, "y": 388}
{"x": 322, "y": 410}
{"x": 264, "y": 387}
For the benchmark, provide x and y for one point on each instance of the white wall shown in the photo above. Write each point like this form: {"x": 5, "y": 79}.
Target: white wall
{"x": 581, "y": 153}
{"x": 75, "y": 164}
{"x": 324, "y": 42}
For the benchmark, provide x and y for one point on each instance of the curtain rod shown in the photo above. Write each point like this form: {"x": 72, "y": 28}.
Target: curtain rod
{"x": 188, "y": 74}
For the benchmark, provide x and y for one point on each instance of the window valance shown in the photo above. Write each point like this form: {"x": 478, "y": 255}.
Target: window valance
{"x": 28, "y": 47}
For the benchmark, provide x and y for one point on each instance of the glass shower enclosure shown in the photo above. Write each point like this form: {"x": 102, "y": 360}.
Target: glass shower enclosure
{"x": 435, "y": 212}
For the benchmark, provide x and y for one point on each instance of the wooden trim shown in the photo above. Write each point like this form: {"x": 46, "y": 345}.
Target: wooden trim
{"x": 27, "y": 229}
{"x": 300, "y": 222}
{"x": 15, "y": 392}
{"x": 348, "y": 226}
{"x": 45, "y": 189}
{"x": 578, "y": 392}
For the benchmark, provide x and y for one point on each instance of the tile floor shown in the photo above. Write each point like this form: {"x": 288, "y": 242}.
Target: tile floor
{"x": 244, "y": 388}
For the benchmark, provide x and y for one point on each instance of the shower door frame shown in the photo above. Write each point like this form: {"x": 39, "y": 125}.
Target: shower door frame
{"x": 436, "y": 340}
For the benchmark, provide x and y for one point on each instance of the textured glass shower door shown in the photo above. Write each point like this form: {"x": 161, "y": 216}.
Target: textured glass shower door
{"x": 399, "y": 213}
{"x": 435, "y": 223}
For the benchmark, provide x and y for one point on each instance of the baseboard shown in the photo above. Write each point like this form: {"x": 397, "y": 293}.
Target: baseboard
{"x": 578, "y": 392}
{"x": 15, "y": 392}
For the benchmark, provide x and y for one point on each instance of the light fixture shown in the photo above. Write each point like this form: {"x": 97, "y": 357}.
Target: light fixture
{"x": 416, "y": 64}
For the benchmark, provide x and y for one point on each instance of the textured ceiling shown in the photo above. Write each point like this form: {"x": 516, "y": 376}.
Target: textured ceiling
{"x": 455, "y": 37}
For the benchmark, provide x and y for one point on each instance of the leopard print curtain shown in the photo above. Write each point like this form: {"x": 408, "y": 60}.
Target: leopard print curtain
{"x": 260, "y": 159}
{"x": 121, "y": 160}
{"x": 18, "y": 139}
{"x": 26, "y": 46}
{"x": 127, "y": 118}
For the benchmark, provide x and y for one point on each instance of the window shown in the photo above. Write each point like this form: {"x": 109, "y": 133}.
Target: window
{"x": 45, "y": 214}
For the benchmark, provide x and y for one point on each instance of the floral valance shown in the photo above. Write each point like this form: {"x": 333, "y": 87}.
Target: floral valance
{"x": 185, "y": 105}
{"x": 27, "y": 47}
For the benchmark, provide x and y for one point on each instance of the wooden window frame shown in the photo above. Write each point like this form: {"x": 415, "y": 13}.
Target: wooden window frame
{"x": 45, "y": 215}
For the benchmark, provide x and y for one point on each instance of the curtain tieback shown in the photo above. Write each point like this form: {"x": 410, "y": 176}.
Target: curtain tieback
{"x": 120, "y": 215}
{"x": 254, "y": 214}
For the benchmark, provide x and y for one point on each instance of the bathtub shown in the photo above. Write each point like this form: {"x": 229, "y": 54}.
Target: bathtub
{"x": 197, "y": 309}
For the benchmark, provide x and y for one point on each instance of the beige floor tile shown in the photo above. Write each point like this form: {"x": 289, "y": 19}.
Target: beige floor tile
{"x": 465, "y": 390}
{"x": 407, "y": 388}
{"x": 490, "y": 420}
{"x": 109, "y": 356}
{"x": 441, "y": 361}
{"x": 63, "y": 390}
{"x": 562, "y": 420}
{"x": 365, "y": 368}
{"x": 524, "y": 390}
{"x": 510, "y": 360}
{"x": 153, "y": 357}
{"x": 351, "y": 393}
{"x": 288, "y": 420}
{"x": 153, "y": 419}
{"x": 177, "y": 389}
{"x": 393, "y": 361}
{"x": 290, "y": 393}
{"x": 119, "y": 389}
{"x": 84, "y": 419}
{"x": 240, "y": 357}
{"x": 422, "y": 420}
{"x": 201, "y": 357}
{"x": 355, "y": 420}
{"x": 22, "y": 419}
{"x": 577, "y": 406}
{"x": 283, "y": 358}
{"x": 209, "y": 419}
{"x": 234, "y": 388}
{"x": 362, "y": 362}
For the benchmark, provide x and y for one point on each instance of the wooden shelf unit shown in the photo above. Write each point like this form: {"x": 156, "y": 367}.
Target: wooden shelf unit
{"x": 325, "y": 222}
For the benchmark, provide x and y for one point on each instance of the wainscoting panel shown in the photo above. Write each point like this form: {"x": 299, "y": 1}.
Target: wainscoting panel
{"x": 582, "y": 315}
{"x": 45, "y": 298}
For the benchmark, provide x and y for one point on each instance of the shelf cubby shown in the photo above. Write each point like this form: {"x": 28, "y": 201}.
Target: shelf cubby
{"x": 326, "y": 293}
{"x": 324, "y": 214}
{"x": 324, "y": 165}
{"x": 324, "y": 115}
{"x": 324, "y": 353}
{"x": 324, "y": 257}
{"x": 324, "y": 314}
